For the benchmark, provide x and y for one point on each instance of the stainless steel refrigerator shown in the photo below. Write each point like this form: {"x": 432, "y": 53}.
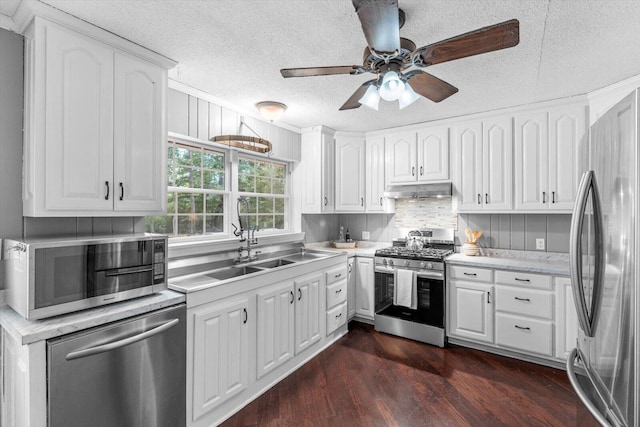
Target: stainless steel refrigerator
{"x": 604, "y": 366}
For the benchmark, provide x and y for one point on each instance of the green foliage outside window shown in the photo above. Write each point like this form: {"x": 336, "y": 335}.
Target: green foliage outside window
{"x": 263, "y": 184}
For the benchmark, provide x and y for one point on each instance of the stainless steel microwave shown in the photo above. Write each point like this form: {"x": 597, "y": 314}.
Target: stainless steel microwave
{"x": 49, "y": 277}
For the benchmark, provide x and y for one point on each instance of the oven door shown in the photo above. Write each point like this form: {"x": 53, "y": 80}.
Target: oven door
{"x": 430, "y": 291}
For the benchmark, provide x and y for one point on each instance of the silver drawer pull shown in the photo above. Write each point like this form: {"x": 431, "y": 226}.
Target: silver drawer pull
{"x": 522, "y": 299}
{"x": 339, "y": 316}
{"x": 470, "y": 274}
{"x": 338, "y": 275}
{"x": 524, "y": 328}
{"x": 522, "y": 280}
{"x": 338, "y": 291}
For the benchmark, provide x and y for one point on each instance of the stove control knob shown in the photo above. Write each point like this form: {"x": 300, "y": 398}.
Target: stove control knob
{"x": 384, "y": 262}
{"x": 423, "y": 264}
{"x": 390, "y": 263}
{"x": 430, "y": 266}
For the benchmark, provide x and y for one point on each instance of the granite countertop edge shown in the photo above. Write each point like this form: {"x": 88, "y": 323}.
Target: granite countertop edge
{"x": 544, "y": 263}
{"x": 31, "y": 331}
{"x": 364, "y": 249}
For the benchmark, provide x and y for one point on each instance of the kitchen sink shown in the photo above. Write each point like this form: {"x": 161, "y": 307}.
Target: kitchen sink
{"x": 230, "y": 273}
{"x": 278, "y": 262}
{"x": 303, "y": 256}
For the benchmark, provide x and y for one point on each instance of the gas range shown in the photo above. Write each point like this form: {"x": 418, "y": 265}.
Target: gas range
{"x": 424, "y": 259}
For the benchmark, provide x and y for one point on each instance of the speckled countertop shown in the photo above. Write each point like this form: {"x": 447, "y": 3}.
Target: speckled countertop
{"x": 30, "y": 331}
{"x": 363, "y": 248}
{"x": 556, "y": 264}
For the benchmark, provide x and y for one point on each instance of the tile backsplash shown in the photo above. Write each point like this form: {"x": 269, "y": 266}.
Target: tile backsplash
{"x": 419, "y": 213}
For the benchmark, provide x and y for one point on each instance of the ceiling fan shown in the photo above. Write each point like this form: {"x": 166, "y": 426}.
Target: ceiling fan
{"x": 390, "y": 56}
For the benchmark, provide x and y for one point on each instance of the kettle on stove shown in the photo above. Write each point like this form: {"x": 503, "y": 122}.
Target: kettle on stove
{"x": 414, "y": 240}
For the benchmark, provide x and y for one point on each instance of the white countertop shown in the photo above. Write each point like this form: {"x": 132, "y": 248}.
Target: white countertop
{"x": 30, "y": 331}
{"x": 556, "y": 264}
{"x": 363, "y": 248}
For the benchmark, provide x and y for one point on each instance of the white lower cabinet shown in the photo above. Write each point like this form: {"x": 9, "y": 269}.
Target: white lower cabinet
{"x": 307, "y": 304}
{"x": 520, "y": 312}
{"x": 275, "y": 306}
{"x": 471, "y": 310}
{"x": 220, "y": 349}
{"x": 351, "y": 287}
{"x": 365, "y": 287}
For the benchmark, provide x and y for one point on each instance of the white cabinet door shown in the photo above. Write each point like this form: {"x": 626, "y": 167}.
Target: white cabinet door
{"x": 349, "y": 173}
{"x": 567, "y": 127}
{"x": 78, "y": 122}
{"x": 317, "y": 168}
{"x": 351, "y": 287}
{"x": 566, "y": 318}
{"x": 497, "y": 174}
{"x": 220, "y": 353}
{"x": 471, "y": 310}
{"x": 433, "y": 154}
{"x": 307, "y": 327}
{"x": 531, "y": 161}
{"x": 365, "y": 287}
{"x": 469, "y": 165}
{"x": 140, "y": 136}
{"x": 275, "y": 317}
{"x": 374, "y": 172}
{"x": 400, "y": 152}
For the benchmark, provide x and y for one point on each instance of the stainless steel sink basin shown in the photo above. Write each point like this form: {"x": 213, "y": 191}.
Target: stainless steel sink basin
{"x": 279, "y": 262}
{"x": 304, "y": 256}
{"x": 231, "y": 272}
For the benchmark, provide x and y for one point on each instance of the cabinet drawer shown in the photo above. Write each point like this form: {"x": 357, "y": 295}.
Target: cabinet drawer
{"x": 336, "y": 317}
{"x": 531, "y": 335}
{"x": 336, "y": 293}
{"x": 526, "y": 302}
{"x": 471, "y": 273}
{"x": 336, "y": 273}
{"x": 523, "y": 279}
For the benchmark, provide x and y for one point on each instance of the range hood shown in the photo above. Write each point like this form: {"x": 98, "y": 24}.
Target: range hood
{"x": 418, "y": 190}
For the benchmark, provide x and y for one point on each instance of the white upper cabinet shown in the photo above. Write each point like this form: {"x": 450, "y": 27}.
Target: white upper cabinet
{"x": 95, "y": 125}
{"x": 546, "y": 160}
{"x": 418, "y": 156}
{"x": 433, "y": 154}
{"x": 483, "y": 164}
{"x": 350, "y": 173}
{"x": 374, "y": 200}
{"x": 318, "y": 170}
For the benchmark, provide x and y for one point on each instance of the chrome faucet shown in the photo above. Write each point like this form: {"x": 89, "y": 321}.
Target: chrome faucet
{"x": 250, "y": 238}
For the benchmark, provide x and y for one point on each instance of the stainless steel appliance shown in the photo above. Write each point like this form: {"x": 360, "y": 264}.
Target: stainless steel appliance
{"x": 128, "y": 373}
{"x": 49, "y": 277}
{"x": 425, "y": 322}
{"x": 604, "y": 270}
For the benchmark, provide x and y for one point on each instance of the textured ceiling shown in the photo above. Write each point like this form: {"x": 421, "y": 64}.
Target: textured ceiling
{"x": 234, "y": 50}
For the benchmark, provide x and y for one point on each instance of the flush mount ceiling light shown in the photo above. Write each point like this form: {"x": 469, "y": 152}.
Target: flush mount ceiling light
{"x": 271, "y": 110}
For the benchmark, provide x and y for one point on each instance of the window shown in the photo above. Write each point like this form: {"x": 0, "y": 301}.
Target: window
{"x": 196, "y": 192}
{"x": 264, "y": 184}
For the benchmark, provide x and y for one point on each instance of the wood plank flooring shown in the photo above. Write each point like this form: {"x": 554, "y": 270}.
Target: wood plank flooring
{"x": 373, "y": 379}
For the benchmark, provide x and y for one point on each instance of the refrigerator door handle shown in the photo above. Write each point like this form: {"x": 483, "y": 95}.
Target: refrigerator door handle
{"x": 573, "y": 379}
{"x": 587, "y": 322}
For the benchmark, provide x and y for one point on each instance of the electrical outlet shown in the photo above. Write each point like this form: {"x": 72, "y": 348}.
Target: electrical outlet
{"x": 366, "y": 235}
{"x": 540, "y": 244}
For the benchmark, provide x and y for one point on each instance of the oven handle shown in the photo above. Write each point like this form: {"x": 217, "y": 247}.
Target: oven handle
{"x": 420, "y": 274}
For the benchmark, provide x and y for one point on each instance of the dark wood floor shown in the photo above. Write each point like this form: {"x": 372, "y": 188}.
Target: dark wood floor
{"x": 373, "y": 379}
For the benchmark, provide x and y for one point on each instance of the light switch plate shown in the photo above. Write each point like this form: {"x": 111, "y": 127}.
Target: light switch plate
{"x": 540, "y": 244}
{"x": 366, "y": 235}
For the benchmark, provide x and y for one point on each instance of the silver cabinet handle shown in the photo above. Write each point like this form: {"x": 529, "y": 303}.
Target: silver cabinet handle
{"x": 486, "y": 198}
{"x": 337, "y": 276}
{"x": 326, "y": 201}
{"x": 380, "y": 201}
{"x": 361, "y": 201}
{"x": 488, "y": 297}
{"x": 421, "y": 171}
{"x": 522, "y": 299}
{"x": 544, "y": 196}
{"x": 120, "y": 343}
{"x": 553, "y": 197}
{"x": 571, "y": 373}
{"x": 246, "y": 316}
{"x": 522, "y": 280}
{"x": 524, "y": 328}
{"x": 479, "y": 199}
{"x": 413, "y": 171}
{"x": 299, "y": 294}
{"x": 350, "y": 267}
{"x": 587, "y": 322}
{"x": 470, "y": 274}
{"x": 338, "y": 316}
{"x": 338, "y": 291}
{"x": 107, "y": 184}
{"x": 292, "y": 297}
{"x": 121, "y": 191}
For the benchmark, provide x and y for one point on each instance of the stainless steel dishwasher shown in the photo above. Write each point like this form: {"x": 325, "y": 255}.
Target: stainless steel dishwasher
{"x": 129, "y": 373}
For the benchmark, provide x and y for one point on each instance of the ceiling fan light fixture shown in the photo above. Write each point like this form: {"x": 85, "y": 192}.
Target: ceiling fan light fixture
{"x": 371, "y": 97}
{"x": 271, "y": 110}
{"x": 391, "y": 87}
{"x": 408, "y": 96}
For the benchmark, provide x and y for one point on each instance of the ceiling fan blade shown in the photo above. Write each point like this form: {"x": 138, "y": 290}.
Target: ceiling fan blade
{"x": 483, "y": 40}
{"x": 380, "y": 23}
{"x": 322, "y": 71}
{"x": 430, "y": 86}
{"x": 352, "y": 102}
